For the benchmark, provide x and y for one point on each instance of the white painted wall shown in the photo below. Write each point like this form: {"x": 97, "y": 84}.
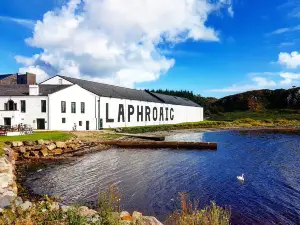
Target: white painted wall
{"x": 56, "y": 80}
{"x": 181, "y": 113}
{"x": 33, "y": 110}
{"x": 72, "y": 94}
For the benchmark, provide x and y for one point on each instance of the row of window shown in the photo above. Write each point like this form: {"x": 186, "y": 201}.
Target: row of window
{"x": 63, "y": 120}
{"x": 73, "y": 107}
{"x": 11, "y": 106}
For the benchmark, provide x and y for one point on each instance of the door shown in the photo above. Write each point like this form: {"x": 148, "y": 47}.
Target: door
{"x": 40, "y": 124}
{"x": 7, "y": 121}
{"x": 87, "y": 125}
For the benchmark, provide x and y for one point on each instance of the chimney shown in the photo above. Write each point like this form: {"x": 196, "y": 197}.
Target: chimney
{"x": 34, "y": 90}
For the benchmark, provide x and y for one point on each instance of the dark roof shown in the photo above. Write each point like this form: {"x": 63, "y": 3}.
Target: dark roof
{"x": 106, "y": 90}
{"x": 112, "y": 91}
{"x": 23, "y": 89}
{"x": 170, "y": 99}
{"x": 5, "y": 75}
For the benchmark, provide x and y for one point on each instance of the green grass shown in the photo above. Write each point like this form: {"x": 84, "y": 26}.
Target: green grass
{"x": 51, "y": 135}
{"x": 1, "y": 149}
{"x": 264, "y": 115}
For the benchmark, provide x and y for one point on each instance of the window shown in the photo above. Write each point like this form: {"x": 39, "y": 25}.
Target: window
{"x": 23, "y": 106}
{"x": 60, "y": 81}
{"x": 5, "y": 106}
{"x": 80, "y": 123}
{"x": 43, "y": 106}
{"x": 73, "y": 107}
{"x": 82, "y": 107}
{"x": 63, "y": 106}
{"x": 63, "y": 120}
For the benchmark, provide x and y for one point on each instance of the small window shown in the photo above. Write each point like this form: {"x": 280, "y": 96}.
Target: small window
{"x": 63, "y": 120}
{"x": 43, "y": 106}
{"x": 80, "y": 123}
{"x": 63, "y": 106}
{"x": 73, "y": 107}
{"x": 82, "y": 107}
{"x": 23, "y": 106}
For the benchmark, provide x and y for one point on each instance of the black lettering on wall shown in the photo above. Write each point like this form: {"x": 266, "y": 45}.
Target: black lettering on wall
{"x": 121, "y": 113}
{"x": 147, "y": 115}
{"x": 130, "y": 111}
{"x": 161, "y": 114}
{"x": 107, "y": 115}
{"x": 167, "y": 110}
{"x": 140, "y": 113}
{"x": 154, "y": 113}
{"x": 172, "y": 114}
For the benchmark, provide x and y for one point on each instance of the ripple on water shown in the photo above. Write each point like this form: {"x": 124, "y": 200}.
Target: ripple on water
{"x": 149, "y": 180}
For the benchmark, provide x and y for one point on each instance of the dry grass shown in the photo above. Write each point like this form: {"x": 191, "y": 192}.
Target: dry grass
{"x": 189, "y": 214}
{"x": 95, "y": 135}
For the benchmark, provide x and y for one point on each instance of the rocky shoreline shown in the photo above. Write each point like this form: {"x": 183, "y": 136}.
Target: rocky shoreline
{"x": 29, "y": 151}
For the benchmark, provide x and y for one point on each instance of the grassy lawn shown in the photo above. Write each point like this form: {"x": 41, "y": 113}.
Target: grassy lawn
{"x": 264, "y": 115}
{"x": 51, "y": 135}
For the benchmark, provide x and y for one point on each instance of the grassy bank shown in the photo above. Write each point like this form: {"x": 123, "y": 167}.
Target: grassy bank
{"x": 244, "y": 122}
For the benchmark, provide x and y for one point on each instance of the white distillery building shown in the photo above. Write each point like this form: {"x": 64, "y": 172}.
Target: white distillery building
{"x": 60, "y": 102}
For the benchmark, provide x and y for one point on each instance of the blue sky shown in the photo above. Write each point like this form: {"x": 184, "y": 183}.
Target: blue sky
{"x": 254, "y": 44}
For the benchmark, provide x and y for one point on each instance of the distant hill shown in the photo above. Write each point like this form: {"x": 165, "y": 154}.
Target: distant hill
{"x": 257, "y": 100}
{"x": 260, "y": 100}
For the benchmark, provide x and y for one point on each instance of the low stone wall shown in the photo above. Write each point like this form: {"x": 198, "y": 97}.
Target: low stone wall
{"x": 48, "y": 149}
{"x": 8, "y": 185}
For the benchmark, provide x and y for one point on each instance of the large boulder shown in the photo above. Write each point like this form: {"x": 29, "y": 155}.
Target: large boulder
{"x": 150, "y": 220}
{"x": 61, "y": 144}
{"x": 58, "y": 151}
{"x": 137, "y": 215}
{"x": 5, "y": 180}
{"x": 51, "y": 147}
{"x": 17, "y": 143}
{"x": 44, "y": 152}
{"x": 29, "y": 143}
{"x": 40, "y": 142}
{"x": 124, "y": 213}
{"x": 4, "y": 165}
{"x": 7, "y": 198}
{"x": 38, "y": 147}
{"x": 22, "y": 149}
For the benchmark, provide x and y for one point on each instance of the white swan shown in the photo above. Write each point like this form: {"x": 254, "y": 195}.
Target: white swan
{"x": 241, "y": 178}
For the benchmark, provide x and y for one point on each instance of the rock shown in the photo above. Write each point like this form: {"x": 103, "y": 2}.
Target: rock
{"x": 17, "y": 143}
{"x": 4, "y": 165}
{"x": 72, "y": 146}
{"x": 128, "y": 218}
{"x": 44, "y": 152}
{"x": 150, "y": 220}
{"x": 6, "y": 199}
{"x": 68, "y": 150}
{"x": 58, "y": 151}
{"x": 124, "y": 213}
{"x": 5, "y": 180}
{"x": 29, "y": 143}
{"x": 26, "y": 154}
{"x": 36, "y": 154}
{"x": 41, "y": 142}
{"x": 85, "y": 211}
{"x": 51, "y": 147}
{"x": 47, "y": 142}
{"x": 37, "y": 147}
{"x": 26, "y": 205}
{"x": 137, "y": 215}
{"x": 15, "y": 155}
{"x": 22, "y": 149}
{"x": 61, "y": 144}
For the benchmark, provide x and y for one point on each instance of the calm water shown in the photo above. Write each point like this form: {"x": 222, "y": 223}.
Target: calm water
{"x": 150, "y": 180}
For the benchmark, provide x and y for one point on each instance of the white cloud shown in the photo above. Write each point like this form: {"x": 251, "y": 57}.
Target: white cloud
{"x": 262, "y": 74}
{"x": 230, "y": 11}
{"x": 258, "y": 83}
{"x": 289, "y": 78}
{"x": 290, "y": 60}
{"x": 285, "y": 30}
{"x": 117, "y": 41}
{"x": 23, "y": 22}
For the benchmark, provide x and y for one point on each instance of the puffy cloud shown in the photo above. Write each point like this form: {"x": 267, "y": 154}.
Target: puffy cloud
{"x": 290, "y": 60}
{"x": 289, "y": 78}
{"x": 117, "y": 41}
